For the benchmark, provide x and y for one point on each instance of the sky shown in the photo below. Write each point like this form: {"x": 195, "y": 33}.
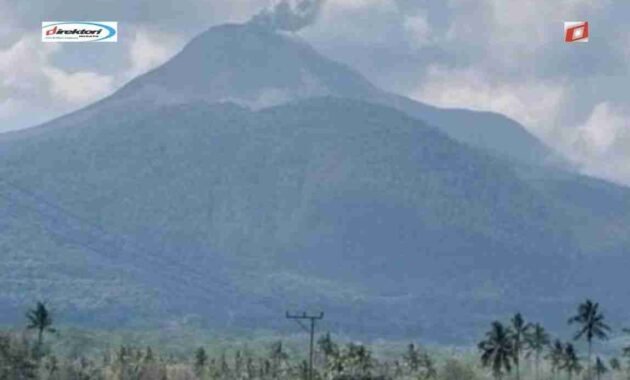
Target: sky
{"x": 506, "y": 56}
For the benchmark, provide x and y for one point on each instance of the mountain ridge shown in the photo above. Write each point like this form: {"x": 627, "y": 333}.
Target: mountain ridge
{"x": 255, "y": 67}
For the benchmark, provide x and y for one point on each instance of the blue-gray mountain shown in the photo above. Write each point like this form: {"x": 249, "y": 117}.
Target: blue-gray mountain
{"x": 256, "y": 67}
{"x": 199, "y": 188}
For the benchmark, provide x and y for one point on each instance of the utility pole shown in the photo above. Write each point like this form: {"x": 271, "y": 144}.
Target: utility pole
{"x": 312, "y": 318}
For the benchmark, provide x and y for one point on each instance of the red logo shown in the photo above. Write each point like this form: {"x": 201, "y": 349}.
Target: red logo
{"x": 576, "y": 31}
{"x": 52, "y": 31}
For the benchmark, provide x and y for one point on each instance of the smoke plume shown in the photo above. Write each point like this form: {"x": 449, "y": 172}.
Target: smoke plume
{"x": 289, "y": 15}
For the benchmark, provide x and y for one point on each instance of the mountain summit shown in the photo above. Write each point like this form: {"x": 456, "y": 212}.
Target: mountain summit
{"x": 254, "y": 66}
{"x": 248, "y": 65}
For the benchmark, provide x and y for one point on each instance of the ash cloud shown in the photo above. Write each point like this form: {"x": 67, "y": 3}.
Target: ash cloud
{"x": 289, "y": 15}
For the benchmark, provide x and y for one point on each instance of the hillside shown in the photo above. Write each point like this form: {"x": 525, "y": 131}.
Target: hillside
{"x": 250, "y": 175}
{"x": 236, "y": 215}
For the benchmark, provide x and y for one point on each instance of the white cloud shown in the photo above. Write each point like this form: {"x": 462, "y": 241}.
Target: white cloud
{"x": 78, "y": 88}
{"x": 509, "y": 32}
{"x": 600, "y": 144}
{"x": 533, "y": 102}
{"x": 20, "y": 66}
{"x": 346, "y": 13}
{"x": 601, "y": 130}
{"x": 418, "y": 29}
{"x": 625, "y": 46}
{"x": 30, "y": 82}
{"x": 345, "y": 5}
{"x": 9, "y": 108}
{"x": 149, "y": 49}
{"x": 8, "y": 25}
{"x": 33, "y": 87}
{"x": 503, "y": 45}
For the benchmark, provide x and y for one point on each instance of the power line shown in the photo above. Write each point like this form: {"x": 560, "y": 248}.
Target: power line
{"x": 312, "y": 318}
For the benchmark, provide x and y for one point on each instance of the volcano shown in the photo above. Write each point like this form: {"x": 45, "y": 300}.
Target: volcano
{"x": 256, "y": 67}
{"x": 249, "y": 175}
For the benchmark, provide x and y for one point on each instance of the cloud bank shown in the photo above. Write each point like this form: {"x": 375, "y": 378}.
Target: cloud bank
{"x": 505, "y": 56}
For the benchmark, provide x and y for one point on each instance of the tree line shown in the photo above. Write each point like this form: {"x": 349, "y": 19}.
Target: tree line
{"x": 504, "y": 352}
{"x": 505, "y": 345}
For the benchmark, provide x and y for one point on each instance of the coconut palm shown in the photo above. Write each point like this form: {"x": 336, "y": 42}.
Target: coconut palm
{"x": 626, "y": 350}
{"x": 412, "y": 358}
{"x": 600, "y": 368}
{"x": 571, "y": 362}
{"x": 278, "y": 358}
{"x": 556, "y": 356}
{"x": 201, "y": 360}
{"x": 329, "y": 350}
{"x": 41, "y": 320}
{"x": 615, "y": 365}
{"x": 428, "y": 367}
{"x": 536, "y": 342}
{"x": 360, "y": 360}
{"x": 592, "y": 325}
{"x": 497, "y": 350}
{"x": 520, "y": 331}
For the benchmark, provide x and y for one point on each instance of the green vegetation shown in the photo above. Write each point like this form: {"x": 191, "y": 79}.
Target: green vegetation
{"x": 537, "y": 341}
{"x": 498, "y": 350}
{"x": 592, "y": 325}
{"x": 324, "y": 201}
{"x": 517, "y": 350}
{"x": 40, "y": 320}
{"x": 503, "y": 347}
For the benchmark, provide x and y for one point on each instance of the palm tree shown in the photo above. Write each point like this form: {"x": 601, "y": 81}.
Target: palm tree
{"x": 626, "y": 350}
{"x": 520, "y": 330}
{"x": 556, "y": 356}
{"x": 571, "y": 362}
{"x": 600, "y": 368}
{"x": 615, "y": 366}
{"x": 537, "y": 340}
{"x": 592, "y": 325}
{"x": 278, "y": 357}
{"x": 327, "y": 346}
{"x": 201, "y": 359}
{"x": 412, "y": 358}
{"x": 430, "y": 372}
{"x": 497, "y": 350}
{"x": 359, "y": 359}
{"x": 41, "y": 320}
